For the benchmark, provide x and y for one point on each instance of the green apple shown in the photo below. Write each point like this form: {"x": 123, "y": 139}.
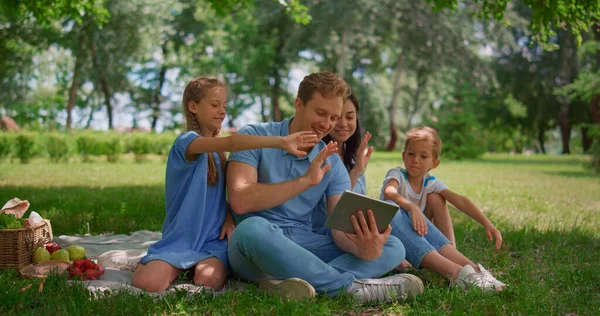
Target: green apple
{"x": 62, "y": 255}
{"x": 76, "y": 252}
{"x": 41, "y": 254}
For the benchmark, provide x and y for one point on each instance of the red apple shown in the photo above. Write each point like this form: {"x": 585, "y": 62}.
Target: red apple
{"x": 52, "y": 247}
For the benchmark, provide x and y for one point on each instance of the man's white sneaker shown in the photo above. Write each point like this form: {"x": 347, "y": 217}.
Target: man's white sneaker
{"x": 467, "y": 276}
{"x": 292, "y": 288}
{"x": 399, "y": 287}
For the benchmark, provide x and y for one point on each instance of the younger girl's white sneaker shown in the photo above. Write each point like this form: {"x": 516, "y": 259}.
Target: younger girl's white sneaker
{"x": 467, "y": 276}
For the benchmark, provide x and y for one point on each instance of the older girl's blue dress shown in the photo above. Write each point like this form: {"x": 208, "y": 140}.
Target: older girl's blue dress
{"x": 195, "y": 210}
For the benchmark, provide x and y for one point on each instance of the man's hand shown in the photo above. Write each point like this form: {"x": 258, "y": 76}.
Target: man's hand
{"x": 367, "y": 238}
{"x": 418, "y": 220}
{"x": 316, "y": 171}
{"x": 492, "y": 233}
{"x": 292, "y": 143}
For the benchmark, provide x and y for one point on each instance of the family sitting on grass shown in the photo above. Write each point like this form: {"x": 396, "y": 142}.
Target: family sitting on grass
{"x": 281, "y": 180}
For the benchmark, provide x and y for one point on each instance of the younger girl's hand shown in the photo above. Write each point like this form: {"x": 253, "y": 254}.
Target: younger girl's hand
{"x": 418, "y": 220}
{"x": 293, "y": 142}
{"x": 228, "y": 227}
{"x": 492, "y": 233}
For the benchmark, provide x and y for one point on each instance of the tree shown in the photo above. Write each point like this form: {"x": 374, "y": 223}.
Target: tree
{"x": 546, "y": 18}
{"x": 46, "y": 12}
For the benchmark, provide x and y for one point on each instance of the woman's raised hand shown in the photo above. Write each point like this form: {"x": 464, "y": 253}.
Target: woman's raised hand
{"x": 300, "y": 140}
{"x": 363, "y": 154}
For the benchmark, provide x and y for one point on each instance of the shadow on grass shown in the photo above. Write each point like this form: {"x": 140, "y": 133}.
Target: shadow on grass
{"x": 119, "y": 209}
{"x": 547, "y": 272}
{"x": 574, "y": 174}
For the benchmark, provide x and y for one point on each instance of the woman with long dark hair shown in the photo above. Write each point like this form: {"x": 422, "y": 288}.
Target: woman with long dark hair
{"x": 353, "y": 150}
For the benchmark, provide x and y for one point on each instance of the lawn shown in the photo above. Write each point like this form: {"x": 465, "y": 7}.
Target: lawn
{"x": 548, "y": 209}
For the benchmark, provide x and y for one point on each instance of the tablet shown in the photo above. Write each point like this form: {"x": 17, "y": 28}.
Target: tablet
{"x": 352, "y": 202}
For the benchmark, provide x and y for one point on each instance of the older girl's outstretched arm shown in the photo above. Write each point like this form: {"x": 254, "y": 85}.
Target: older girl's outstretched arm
{"x": 239, "y": 142}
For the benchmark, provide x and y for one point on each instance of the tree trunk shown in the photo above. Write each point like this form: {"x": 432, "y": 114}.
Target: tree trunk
{"x": 75, "y": 82}
{"x": 263, "y": 109}
{"x": 277, "y": 115}
{"x": 92, "y": 110}
{"x": 103, "y": 83}
{"x": 157, "y": 94}
{"x": 568, "y": 72}
{"x": 586, "y": 139}
{"x": 542, "y": 140}
{"x": 565, "y": 129}
{"x": 595, "y": 109}
{"x": 393, "y": 101}
{"x": 231, "y": 113}
{"x": 421, "y": 82}
{"x": 341, "y": 62}
{"x": 596, "y": 100}
{"x": 278, "y": 64}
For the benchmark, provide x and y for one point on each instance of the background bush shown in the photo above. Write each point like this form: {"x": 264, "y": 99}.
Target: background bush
{"x": 141, "y": 145}
{"x": 90, "y": 144}
{"x": 595, "y": 149}
{"x": 7, "y": 143}
{"x": 113, "y": 147}
{"x": 59, "y": 147}
{"x": 27, "y": 146}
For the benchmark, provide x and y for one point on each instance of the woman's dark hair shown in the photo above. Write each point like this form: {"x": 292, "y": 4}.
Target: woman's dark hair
{"x": 351, "y": 144}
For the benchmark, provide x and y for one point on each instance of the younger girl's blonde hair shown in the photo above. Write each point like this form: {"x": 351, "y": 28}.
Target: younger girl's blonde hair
{"x": 428, "y": 134}
{"x": 195, "y": 91}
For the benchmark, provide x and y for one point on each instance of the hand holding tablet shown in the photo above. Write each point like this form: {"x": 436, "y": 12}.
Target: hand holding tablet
{"x": 352, "y": 202}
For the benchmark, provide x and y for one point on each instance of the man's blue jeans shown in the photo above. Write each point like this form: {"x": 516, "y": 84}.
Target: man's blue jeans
{"x": 260, "y": 250}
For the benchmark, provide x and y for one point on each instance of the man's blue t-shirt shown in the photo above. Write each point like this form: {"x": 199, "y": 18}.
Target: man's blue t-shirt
{"x": 275, "y": 165}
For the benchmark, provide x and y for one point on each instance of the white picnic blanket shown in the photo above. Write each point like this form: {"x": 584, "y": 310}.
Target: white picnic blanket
{"x": 119, "y": 256}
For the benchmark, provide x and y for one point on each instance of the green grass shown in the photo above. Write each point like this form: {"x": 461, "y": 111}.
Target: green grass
{"x": 548, "y": 209}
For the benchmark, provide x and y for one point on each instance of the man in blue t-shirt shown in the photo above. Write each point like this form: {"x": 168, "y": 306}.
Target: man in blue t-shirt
{"x": 273, "y": 194}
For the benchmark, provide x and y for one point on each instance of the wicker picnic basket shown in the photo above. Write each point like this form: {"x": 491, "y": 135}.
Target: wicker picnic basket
{"x": 17, "y": 245}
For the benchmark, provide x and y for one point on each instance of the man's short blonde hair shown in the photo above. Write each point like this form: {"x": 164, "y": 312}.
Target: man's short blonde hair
{"x": 328, "y": 84}
{"x": 428, "y": 134}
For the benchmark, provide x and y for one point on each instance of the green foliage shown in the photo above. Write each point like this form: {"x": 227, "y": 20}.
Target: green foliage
{"x": 9, "y": 221}
{"x": 458, "y": 126}
{"x": 141, "y": 145}
{"x": 7, "y": 144}
{"x": 48, "y": 11}
{"x": 460, "y": 134}
{"x": 505, "y": 140}
{"x": 294, "y": 8}
{"x": 88, "y": 145}
{"x": 515, "y": 107}
{"x": 113, "y": 147}
{"x": 594, "y": 151}
{"x": 27, "y": 146}
{"x": 546, "y": 17}
{"x": 162, "y": 143}
{"x": 584, "y": 87}
{"x": 59, "y": 147}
